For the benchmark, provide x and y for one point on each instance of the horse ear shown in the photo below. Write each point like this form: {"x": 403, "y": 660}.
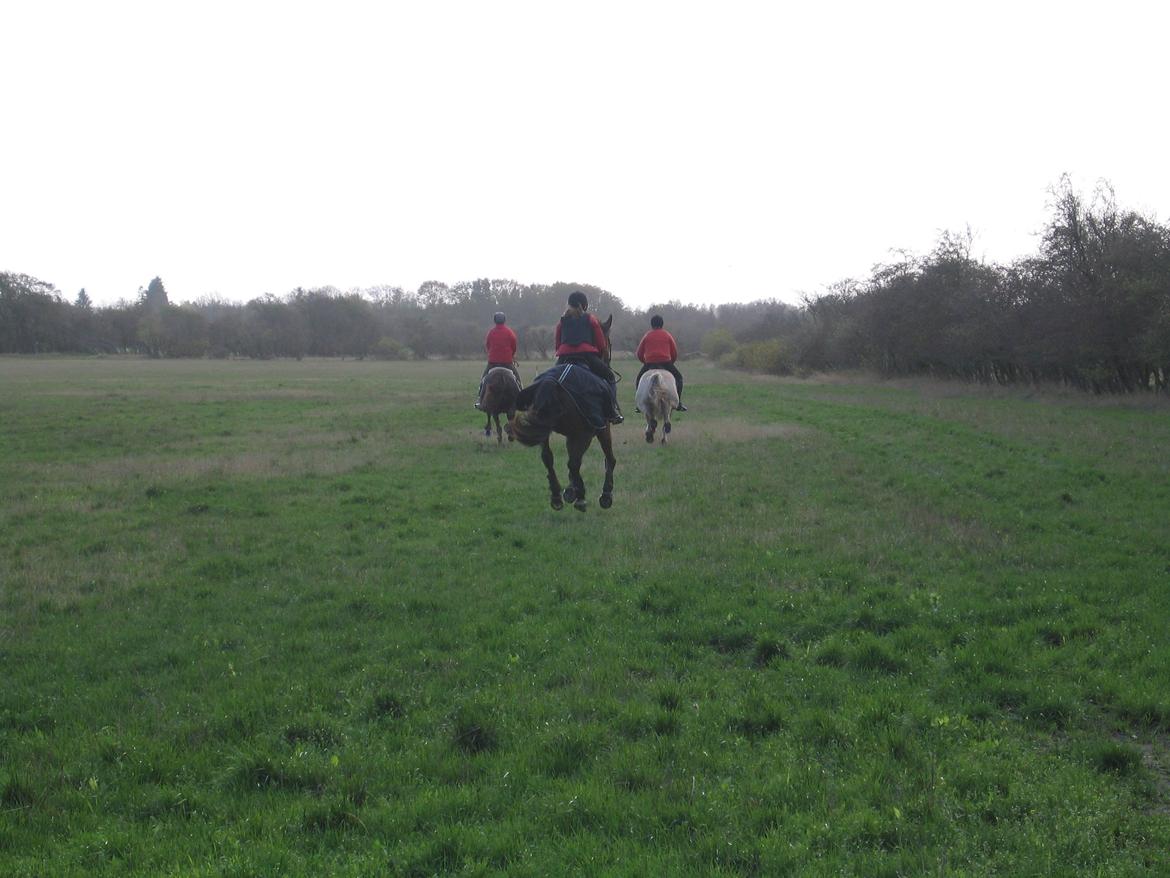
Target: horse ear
{"x": 608, "y": 323}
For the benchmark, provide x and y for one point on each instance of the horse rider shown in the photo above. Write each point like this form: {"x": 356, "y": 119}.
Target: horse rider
{"x": 580, "y": 339}
{"x": 657, "y": 350}
{"x": 500, "y": 345}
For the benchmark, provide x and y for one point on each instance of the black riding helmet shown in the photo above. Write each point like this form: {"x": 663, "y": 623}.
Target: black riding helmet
{"x": 578, "y": 299}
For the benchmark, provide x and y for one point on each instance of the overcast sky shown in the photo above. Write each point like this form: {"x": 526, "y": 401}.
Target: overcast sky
{"x": 706, "y": 152}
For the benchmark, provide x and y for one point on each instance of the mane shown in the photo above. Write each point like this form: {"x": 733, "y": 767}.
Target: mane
{"x": 533, "y": 425}
{"x": 527, "y": 429}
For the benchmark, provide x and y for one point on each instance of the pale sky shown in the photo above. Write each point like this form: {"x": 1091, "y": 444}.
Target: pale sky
{"x": 706, "y": 152}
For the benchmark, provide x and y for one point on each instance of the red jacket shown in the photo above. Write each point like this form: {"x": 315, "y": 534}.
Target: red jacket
{"x": 657, "y": 346}
{"x": 598, "y": 346}
{"x": 500, "y": 344}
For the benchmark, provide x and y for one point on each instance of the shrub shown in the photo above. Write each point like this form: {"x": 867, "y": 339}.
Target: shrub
{"x": 388, "y": 348}
{"x": 773, "y": 356}
{"x": 718, "y": 342}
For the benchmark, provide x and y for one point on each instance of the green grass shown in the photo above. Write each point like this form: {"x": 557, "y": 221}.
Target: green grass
{"x": 302, "y": 618}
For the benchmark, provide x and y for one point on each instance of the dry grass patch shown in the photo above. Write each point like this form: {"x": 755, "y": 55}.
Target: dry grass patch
{"x": 733, "y": 430}
{"x": 1156, "y": 760}
{"x": 288, "y": 451}
{"x": 274, "y": 463}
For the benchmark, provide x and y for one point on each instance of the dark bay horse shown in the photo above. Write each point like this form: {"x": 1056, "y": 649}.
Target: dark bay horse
{"x": 500, "y": 390}
{"x": 555, "y": 411}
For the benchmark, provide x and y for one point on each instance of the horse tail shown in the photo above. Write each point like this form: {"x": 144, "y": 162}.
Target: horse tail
{"x": 658, "y": 394}
{"x": 528, "y": 429}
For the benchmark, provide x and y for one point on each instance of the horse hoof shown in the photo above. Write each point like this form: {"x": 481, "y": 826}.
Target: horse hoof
{"x": 488, "y": 432}
{"x": 605, "y": 500}
{"x": 649, "y": 436}
{"x": 666, "y": 427}
{"x": 580, "y": 505}
{"x": 570, "y": 494}
{"x": 557, "y": 504}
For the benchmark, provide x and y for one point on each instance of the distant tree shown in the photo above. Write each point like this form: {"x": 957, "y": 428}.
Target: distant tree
{"x": 829, "y": 337}
{"x": 536, "y": 341}
{"x": 434, "y": 294}
{"x": 273, "y": 328}
{"x": 417, "y": 333}
{"x": 1103, "y": 278}
{"x": 338, "y": 324}
{"x": 154, "y": 298}
{"x": 454, "y": 336}
{"x": 33, "y": 317}
{"x": 388, "y": 296}
{"x": 82, "y": 301}
{"x": 182, "y": 332}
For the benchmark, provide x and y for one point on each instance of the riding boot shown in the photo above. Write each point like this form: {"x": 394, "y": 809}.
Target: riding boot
{"x": 479, "y": 396}
{"x": 617, "y": 417}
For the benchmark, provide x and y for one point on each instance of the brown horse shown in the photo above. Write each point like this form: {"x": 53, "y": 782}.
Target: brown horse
{"x": 555, "y": 411}
{"x": 500, "y": 390}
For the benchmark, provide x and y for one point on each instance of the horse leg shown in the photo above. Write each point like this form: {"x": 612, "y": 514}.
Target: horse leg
{"x": 665, "y": 422}
{"x": 554, "y": 486}
{"x": 605, "y": 440}
{"x": 511, "y": 416}
{"x": 576, "y": 490}
{"x": 487, "y": 428}
{"x": 499, "y": 432}
{"x": 651, "y": 426}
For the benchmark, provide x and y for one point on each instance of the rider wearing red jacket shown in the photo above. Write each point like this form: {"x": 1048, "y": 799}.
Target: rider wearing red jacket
{"x": 579, "y": 338}
{"x": 500, "y": 345}
{"x": 657, "y": 350}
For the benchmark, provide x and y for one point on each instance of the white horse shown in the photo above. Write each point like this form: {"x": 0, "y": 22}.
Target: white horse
{"x": 656, "y": 397}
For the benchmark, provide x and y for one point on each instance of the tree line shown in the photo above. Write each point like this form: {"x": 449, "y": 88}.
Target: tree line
{"x": 1091, "y": 309}
{"x": 436, "y": 320}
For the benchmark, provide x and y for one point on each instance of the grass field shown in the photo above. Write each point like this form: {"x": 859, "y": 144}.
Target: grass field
{"x": 301, "y": 618}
